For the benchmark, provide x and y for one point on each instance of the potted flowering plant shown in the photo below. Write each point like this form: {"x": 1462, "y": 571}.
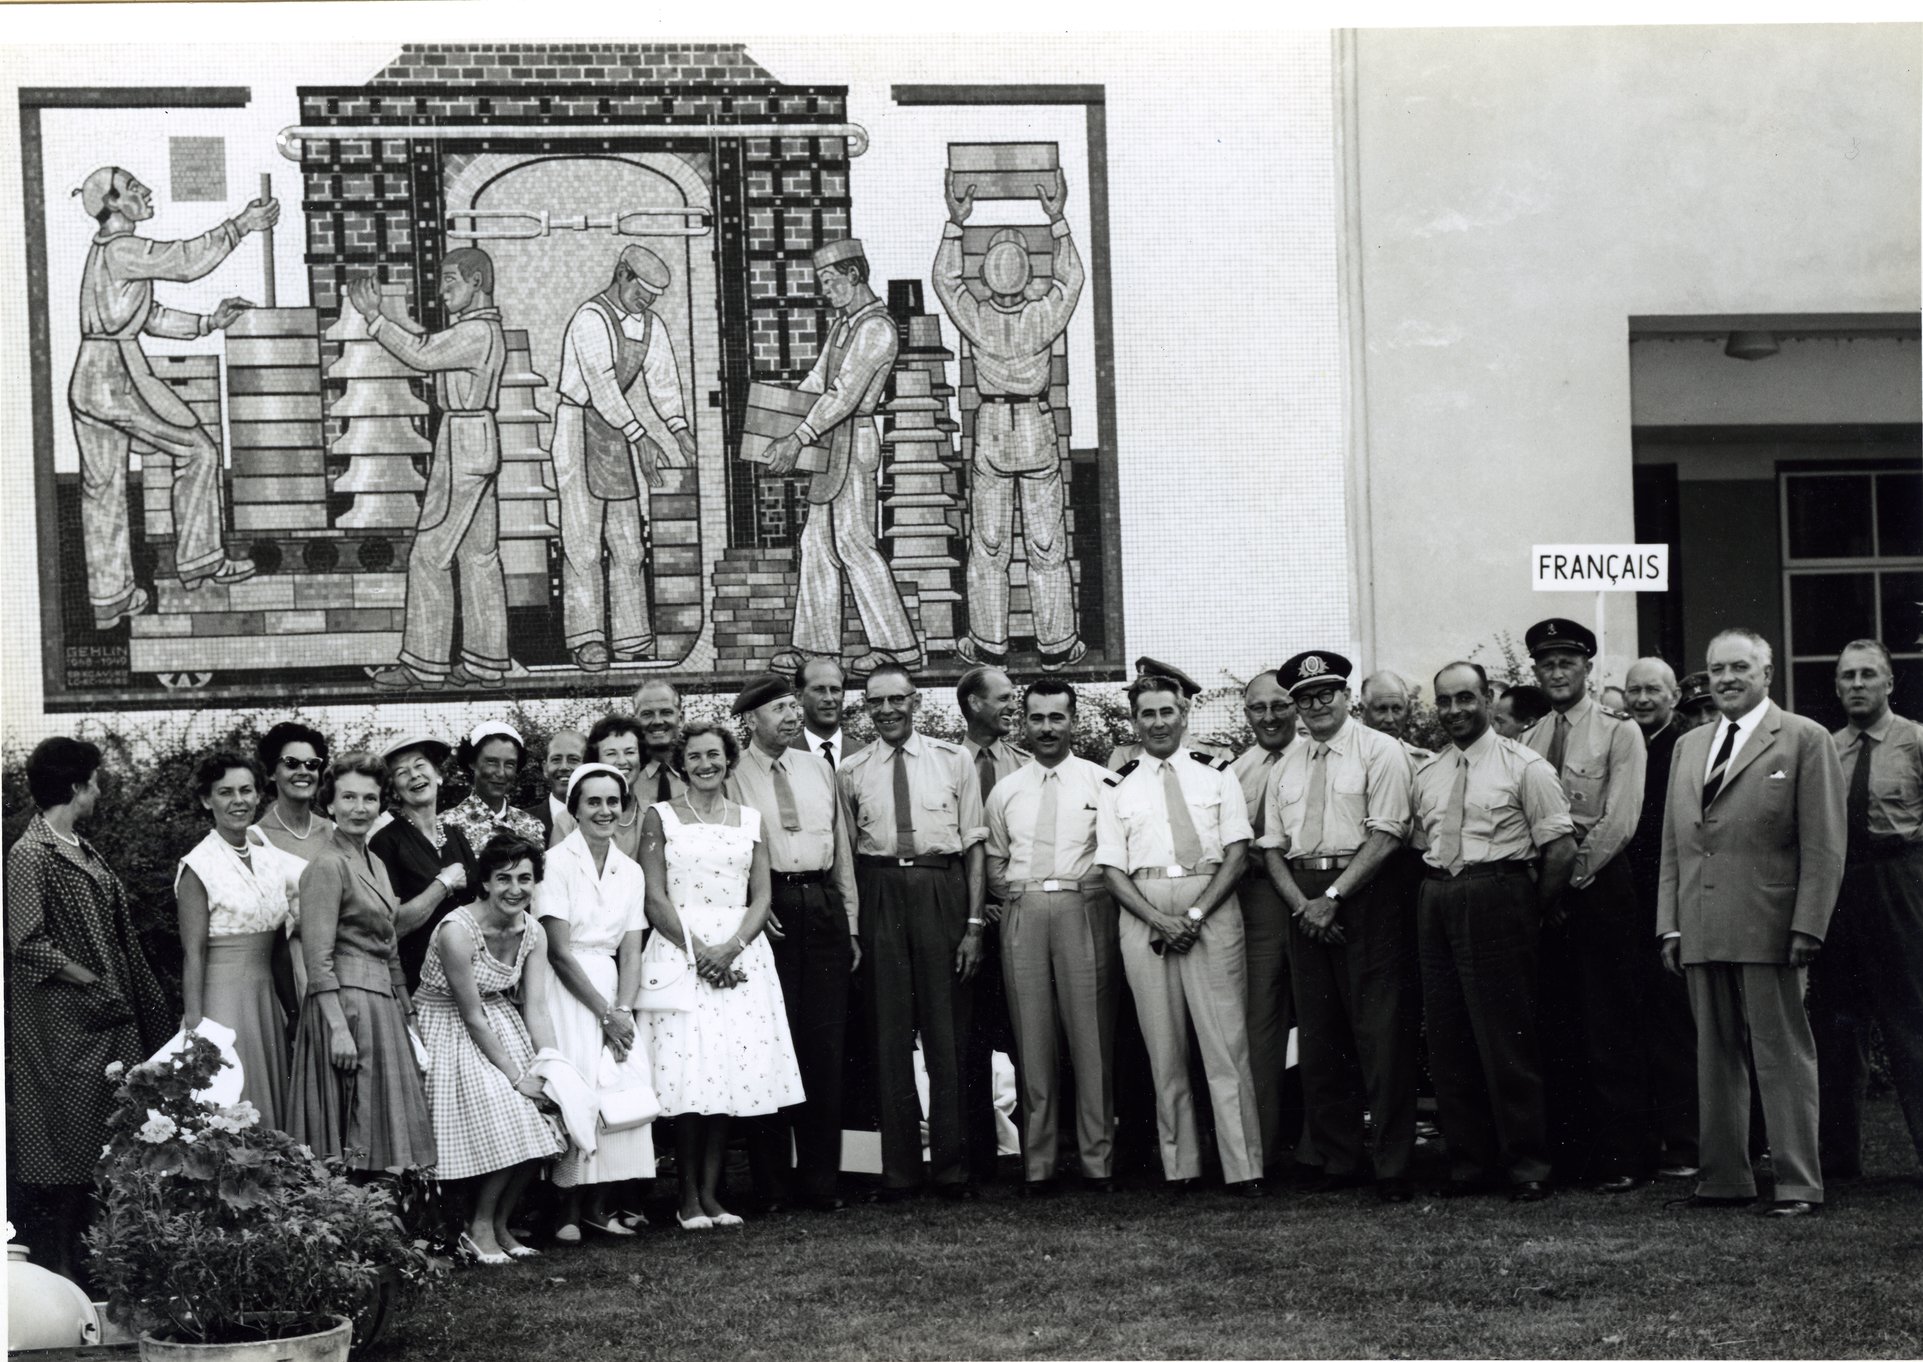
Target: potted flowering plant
{"x": 222, "y": 1238}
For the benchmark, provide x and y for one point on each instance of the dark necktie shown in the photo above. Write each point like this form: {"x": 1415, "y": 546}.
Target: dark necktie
{"x": 985, "y": 770}
{"x": 904, "y": 807}
{"x": 1557, "y": 740}
{"x": 1859, "y": 799}
{"x": 828, "y": 750}
{"x": 663, "y": 787}
{"x": 1717, "y": 772}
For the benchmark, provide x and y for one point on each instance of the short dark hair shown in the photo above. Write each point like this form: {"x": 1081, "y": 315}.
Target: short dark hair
{"x": 973, "y": 683}
{"x": 610, "y": 724}
{"x": 476, "y": 266}
{"x": 1049, "y": 685}
{"x": 282, "y": 735}
{"x": 217, "y": 764}
{"x": 1869, "y": 645}
{"x": 1149, "y": 683}
{"x": 505, "y": 849}
{"x": 701, "y": 728}
{"x": 574, "y": 790}
{"x": 56, "y": 766}
{"x": 1482, "y": 674}
{"x": 470, "y": 752}
{"x": 801, "y": 672}
{"x": 1527, "y": 704}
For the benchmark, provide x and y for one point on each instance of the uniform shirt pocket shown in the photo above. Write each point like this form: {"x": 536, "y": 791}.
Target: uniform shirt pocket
{"x": 1585, "y": 784}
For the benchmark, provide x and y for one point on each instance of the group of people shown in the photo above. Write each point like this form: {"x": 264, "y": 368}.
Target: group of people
{"x": 1593, "y": 936}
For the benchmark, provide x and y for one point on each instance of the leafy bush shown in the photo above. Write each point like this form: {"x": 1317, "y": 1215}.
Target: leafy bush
{"x": 217, "y": 1229}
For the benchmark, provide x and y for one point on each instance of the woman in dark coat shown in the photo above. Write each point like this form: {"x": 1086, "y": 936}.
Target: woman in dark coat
{"x": 427, "y": 858}
{"x": 80, "y": 995}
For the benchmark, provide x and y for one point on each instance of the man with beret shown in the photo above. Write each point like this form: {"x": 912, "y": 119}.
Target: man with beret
{"x": 115, "y": 398}
{"x": 1265, "y": 925}
{"x": 600, "y": 446}
{"x": 812, "y": 921}
{"x": 1171, "y": 836}
{"x": 1669, "y": 1031}
{"x": 1336, "y": 811}
{"x": 1123, "y": 753}
{"x": 1499, "y": 845}
{"x": 850, "y": 377}
{"x": 1012, "y": 334}
{"x": 1600, "y": 1124}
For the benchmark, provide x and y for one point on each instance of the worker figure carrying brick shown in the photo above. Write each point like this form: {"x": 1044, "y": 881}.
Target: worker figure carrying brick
{"x": 115, "y": 397}
{"x": 851, "y": 375}
{"x": 599, "y": 444}
{"x": 1013, "y": 334}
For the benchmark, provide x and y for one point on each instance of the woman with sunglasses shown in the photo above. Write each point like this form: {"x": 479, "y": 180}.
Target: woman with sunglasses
{"x": 292, "y": 757}
{"x": 231, "y": 892}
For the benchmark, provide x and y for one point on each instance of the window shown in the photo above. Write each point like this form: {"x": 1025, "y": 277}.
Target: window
{"x": 1852, "y": 568}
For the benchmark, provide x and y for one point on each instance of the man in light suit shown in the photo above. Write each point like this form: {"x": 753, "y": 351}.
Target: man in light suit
{"x": 1753, "y": 842}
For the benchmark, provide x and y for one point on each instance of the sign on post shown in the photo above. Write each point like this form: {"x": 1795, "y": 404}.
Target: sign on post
{"x": 1600, "y": 567}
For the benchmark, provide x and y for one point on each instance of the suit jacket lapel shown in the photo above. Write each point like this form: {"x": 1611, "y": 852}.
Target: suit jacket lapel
{"x": 1762, "y": 739}
{"x": 1689, "y": 760}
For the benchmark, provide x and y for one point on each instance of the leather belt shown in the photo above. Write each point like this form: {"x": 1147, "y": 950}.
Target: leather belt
{"x": 1174, "y": 872}
{"x": 1058, "y": 886}
{"x": 1014, "y": 399}
{"x": 798, "y": 877}
{"x": 1319, "y": 862}
{"x": 909, "y": 862}
{"x": 1476, "y": 872}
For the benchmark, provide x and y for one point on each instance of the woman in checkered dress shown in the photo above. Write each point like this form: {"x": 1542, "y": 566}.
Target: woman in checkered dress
{"x": 487, "y": 1123}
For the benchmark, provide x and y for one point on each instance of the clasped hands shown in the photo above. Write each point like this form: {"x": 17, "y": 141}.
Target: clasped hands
{"x": 716, "y": 964}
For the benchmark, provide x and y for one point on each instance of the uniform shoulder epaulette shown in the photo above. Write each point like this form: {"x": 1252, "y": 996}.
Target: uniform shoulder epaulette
{"x": 1114, "y": 777}
{"x": 1211, "y": 760}
{"x": 1622, "y": 714}
{"x": 1122, "y": 771}
{"x": 942, "y": 744}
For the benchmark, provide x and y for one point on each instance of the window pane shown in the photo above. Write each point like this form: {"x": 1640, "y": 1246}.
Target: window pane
{"x": 1828, "y": 609}
{"x": 1899, "y": 515}
{"x": 1815, "y": 696}
{"x": 1902, "y": 630}
{"x": 1829, "y": 516}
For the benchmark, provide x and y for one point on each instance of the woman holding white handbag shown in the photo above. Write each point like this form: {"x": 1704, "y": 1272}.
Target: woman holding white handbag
{"x": 591, "y": 907}
{"x": 720, "y": 1047}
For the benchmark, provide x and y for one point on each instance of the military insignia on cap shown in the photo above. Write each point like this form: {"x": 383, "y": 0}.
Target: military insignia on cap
{"x": 1551, "y": 630}
{"x": 1313, "y": 665}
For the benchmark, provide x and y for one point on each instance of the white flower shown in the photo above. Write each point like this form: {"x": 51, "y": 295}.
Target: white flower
{"x": 158, "y": 1129}
{"x": 186, "y": 1137}
{"x": 115, "y": 1069}
{"x": 236, "y": 1118}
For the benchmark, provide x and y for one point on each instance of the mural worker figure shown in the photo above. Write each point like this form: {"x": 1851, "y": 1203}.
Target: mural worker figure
{"x": 612, "y": 339}
{"x": 115, "y": 398}
{"x": 850, "y": 374}
{"x": 1014, "y": 335}
{"x": 460, "y": 513}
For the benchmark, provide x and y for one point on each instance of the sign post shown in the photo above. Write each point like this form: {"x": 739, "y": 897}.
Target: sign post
{"x": 1601, "y": 568}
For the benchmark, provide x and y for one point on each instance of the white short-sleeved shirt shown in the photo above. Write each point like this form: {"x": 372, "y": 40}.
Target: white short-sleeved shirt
{"x": 599, "y": 909}
{"x": 1132, "y": 827}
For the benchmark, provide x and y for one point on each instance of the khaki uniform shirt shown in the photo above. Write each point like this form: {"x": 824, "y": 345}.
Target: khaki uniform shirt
{"x": 947, "y": 798}
{"x": 1896, "y": 774}
{"x": 1604, "y": 761}
{"x": 821, "y": 843}
{"x": 1366, "y": 790}
{"x": 1513, "y": 803}
{"x": 1013, "y": 814}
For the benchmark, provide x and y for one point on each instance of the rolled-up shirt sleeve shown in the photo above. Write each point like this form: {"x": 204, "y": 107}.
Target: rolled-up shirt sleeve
{"x": 1386, "y": 791}
{"x": 1234, "y": 818}
{"x": 1543, "y": 803}
{"x": 1111, "y": 838}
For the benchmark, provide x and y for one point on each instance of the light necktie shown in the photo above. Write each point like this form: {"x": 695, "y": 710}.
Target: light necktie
{"x": 1181, "y": 825}
{"x": 1858, "y": 804}
{"x": 828, "y": 750}
{"x": 904, "y": 807}
{"x": 1557, "y": 741}
{"x": 985, "y": 770}
{"x": 785, "y": 800}
{"x": 1717, "y": 772}
{"x": 1448, "y": 848}
{"x": 1041, "y": 856}
{"x": 1317, "y": 804}
{"x": 1259, "y": 815}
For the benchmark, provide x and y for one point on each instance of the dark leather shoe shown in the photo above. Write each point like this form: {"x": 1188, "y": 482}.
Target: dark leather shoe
{"x": 1181, "y": 1184}
{"x": 1785, "y": 1209}
{"x": 1616, "y": 1186}
{"x": 1252, "y": 1190}
{"x": 1529, "y": 1191}
{"x": 891, "y": 1196}
{"x": 958, "y": 1191}
{"x": 1043, "y": 1188}
{"x": 1394, "y": 1189}
{"x": 826, "y": 1203}
{"x": 1102, "y": 1185}
{"x": 1698, "y": 1202}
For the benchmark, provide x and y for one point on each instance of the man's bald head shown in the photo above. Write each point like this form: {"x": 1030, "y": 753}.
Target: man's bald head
{"x": 1650, "y": 689}
{"x": 1386, "y": 700}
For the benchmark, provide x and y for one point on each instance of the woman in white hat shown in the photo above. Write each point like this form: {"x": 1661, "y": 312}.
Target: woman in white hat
{"x": 591, "y": 906}
{"x": 423, "y": 855}
{"x": 492, "y": 754}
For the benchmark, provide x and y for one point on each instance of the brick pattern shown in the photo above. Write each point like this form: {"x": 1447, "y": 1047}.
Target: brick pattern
{"x": 754, "y": 606}
{"x": 195, "y": 380}
{"x": 495, "y": 63}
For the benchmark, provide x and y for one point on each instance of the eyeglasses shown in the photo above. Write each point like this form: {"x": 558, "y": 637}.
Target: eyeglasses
{"x": 1322, "y": 697}
{"x": 301, "y": 764}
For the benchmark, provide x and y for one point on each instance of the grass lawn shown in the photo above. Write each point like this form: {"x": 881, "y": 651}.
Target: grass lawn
{"x": 1149, "y": 1273}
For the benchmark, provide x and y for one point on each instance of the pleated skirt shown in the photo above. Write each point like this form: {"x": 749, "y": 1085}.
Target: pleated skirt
{"x": 618, "y": 1155}
{"x": 374, "y": 1115}
{"x": 239, "y": 993}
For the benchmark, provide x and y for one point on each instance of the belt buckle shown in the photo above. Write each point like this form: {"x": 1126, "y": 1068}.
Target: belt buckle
{"x": 904, "y": 860}
{"x": 1051, "y": 886}
{"x": 1176, "y": 872}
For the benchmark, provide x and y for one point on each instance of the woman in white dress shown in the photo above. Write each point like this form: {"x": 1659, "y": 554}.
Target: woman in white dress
{"x": 231, "y": 891}
{"x": 707, "y": 882}
{"x": 590, "y": 905}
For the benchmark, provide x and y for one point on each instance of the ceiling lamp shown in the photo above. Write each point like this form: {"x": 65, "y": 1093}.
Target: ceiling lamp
{"x": 1751, "y": 345}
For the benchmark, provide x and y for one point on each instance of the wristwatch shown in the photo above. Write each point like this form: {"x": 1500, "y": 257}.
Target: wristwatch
{"x": 1332, "y": 894}
{"x": 1195, "y": 915}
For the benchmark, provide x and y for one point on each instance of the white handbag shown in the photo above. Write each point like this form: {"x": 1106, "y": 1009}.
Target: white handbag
{"x": 668, "y": 981}
{"x": 624, "y": 1088}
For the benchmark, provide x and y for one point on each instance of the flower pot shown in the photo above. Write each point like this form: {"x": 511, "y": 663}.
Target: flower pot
{"x": 330, "y": 1346}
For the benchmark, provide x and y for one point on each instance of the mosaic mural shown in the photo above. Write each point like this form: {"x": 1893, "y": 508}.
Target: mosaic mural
{"x": 594, "y": 375}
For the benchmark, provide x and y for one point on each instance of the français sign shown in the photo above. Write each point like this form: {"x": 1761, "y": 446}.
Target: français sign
{"x": 1599, "y": 567}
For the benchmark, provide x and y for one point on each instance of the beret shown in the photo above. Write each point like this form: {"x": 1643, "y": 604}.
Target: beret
{"x": 760, "y": 691}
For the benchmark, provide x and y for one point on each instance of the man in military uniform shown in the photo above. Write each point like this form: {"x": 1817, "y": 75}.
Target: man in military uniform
{"x": 1265, "y": 925}
{"x": 1669, "y": 1031}
{"x": 1013, "y": 337}
{"x": 1123, "y": 753}
{"x": 912, "y": 805}
{"x": 1598, "y": 1086}
{"x": 1171, "y": 837}
{"x": 814, "y": 921}
{"x": 1872, "y": 961}
{"x": 599, "y": 443}
{"x": 1499, "y": 849}
{"x": 1337, "y": 811}
{"x": 657, "y": 708}
{"x": 850, "y": 375}
{"x": 1695, "y": 704}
